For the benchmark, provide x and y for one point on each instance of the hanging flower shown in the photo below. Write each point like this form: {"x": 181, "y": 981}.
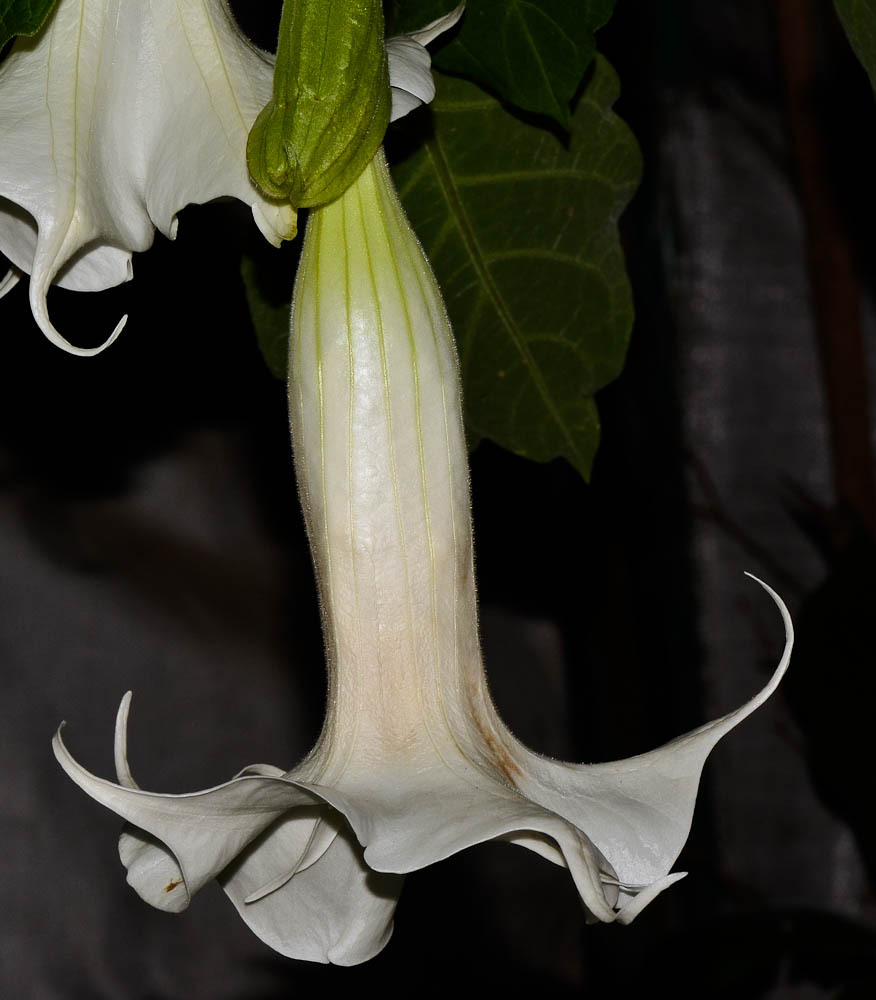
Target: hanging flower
{"x": 116, "y": 116}
{"x": 112, "y": 119}
{"x": 413, "y": 763}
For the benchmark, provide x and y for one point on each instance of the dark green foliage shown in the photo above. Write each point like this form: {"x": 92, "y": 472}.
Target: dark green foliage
{"x": 22, "y": 17}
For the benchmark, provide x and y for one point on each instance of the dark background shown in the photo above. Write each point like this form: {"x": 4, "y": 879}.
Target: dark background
{"x": 150, "y": 538}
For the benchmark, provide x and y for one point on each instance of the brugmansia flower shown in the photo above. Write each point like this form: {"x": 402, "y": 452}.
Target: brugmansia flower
{"x": 413, "y": 763}
{"x": 112, "y": 119}
{"x": 116, "y": 116}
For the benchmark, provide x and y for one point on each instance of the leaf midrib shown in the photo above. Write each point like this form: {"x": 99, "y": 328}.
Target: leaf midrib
{"x": 476, "y": 256}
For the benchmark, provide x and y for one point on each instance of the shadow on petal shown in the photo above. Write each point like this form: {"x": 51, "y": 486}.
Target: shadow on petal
{"x": 334, "y": 910}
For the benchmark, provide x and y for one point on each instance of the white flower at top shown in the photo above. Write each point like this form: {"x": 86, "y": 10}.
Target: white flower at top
{"x": 112, "y": 119}
{"x": 116, "y": 116}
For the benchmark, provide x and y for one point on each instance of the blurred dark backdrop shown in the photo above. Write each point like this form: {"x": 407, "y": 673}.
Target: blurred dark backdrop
{"x": 150, "y": 538}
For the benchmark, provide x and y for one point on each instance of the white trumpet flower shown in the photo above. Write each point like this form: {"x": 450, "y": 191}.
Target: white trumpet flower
{"x": 117, "y": 115}
{"x": 112, "y": 119}
{"x": 413, "y": 763}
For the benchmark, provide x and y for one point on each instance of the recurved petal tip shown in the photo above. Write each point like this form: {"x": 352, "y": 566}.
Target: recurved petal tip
{"x": 437, "y": 27}
{"x": 723, "y": 725}
{"x": 410, "y": 74}
{"x": 38, "y": 291}
{"x": 120, "y": 746}
{"x": 639, "y": 811}
{"x": 9, "y": 281}
{"x": 789, "y": 637}
{"x": 629, "y": 911}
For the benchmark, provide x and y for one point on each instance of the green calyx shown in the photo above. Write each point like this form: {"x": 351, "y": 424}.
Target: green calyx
{"x": 331, "y": 102}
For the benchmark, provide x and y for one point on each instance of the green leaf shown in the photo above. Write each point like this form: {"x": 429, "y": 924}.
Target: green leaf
{"x": 271, "y": 321}
{"x": 530, "y": 53}
{"x": 859, "y": 21}
{"x": 522, "y": 233}
{"x": 22, "y": 17}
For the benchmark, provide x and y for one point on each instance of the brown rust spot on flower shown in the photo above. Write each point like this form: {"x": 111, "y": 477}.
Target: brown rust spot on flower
{"x": 497, "y": 750}
{"x": 501, "y": 758}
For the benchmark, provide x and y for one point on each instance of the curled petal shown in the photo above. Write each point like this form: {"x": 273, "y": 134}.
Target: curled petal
{"x": 633, "y": 902}
{"x": 120, "y": 744}
{"x": 410, "y": 821}
{"x": 288, "y": 861}
{"x": 39, "y": 287}
{"x": 638, "y": 811}
{"x": 320, "y": 830}
{"x": 202, "y": 831}
{"x": 410, "y": 75}
{"x": 153, "y": 871}
{"x": 330, "y": 908}
{"x": 433, "y": 29}
{"x": 617, "y": 827}
{"x": 9, "y": 281}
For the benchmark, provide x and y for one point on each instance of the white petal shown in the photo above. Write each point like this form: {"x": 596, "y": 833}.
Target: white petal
{"x": 403, "y": 103}
{"x": 289, "y": 862}
{"x": 153, "y": 871}
{"x": 437, "y": 27}
{"x": 638, "y": 811}
{"x": 332, "y": 909}
{"x": 617, "y": 827}
{"x": 201, "y": 832}
{"x": 120, "y": 745}
{"x": 647, "y": 894}
{"x": 9, "y": 281}
{"x": 164, "y": 97}
{"x": 411, "y": 819}
{"x": 315, "y": 835}
{"x": 410, "y": 74}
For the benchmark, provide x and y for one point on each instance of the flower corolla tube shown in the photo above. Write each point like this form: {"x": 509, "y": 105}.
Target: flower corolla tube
{"x": 413, "y": 763}
{"x": 117, "y": 115}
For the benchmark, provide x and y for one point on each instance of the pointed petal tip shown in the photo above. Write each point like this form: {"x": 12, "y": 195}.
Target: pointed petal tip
{"x": 785, "y": 659}
{"x": 437, "y": 27}
{"x": 62, "y": 754}
{"x": 120, "y": 744}
{"x": 9, "y": 281}
{"x": 718, "y": 728}
{"x": 780, "y": 604}
{"x": 628, "y": 913}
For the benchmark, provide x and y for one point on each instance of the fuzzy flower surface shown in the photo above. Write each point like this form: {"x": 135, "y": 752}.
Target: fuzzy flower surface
{"x": 413, "y": 763}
